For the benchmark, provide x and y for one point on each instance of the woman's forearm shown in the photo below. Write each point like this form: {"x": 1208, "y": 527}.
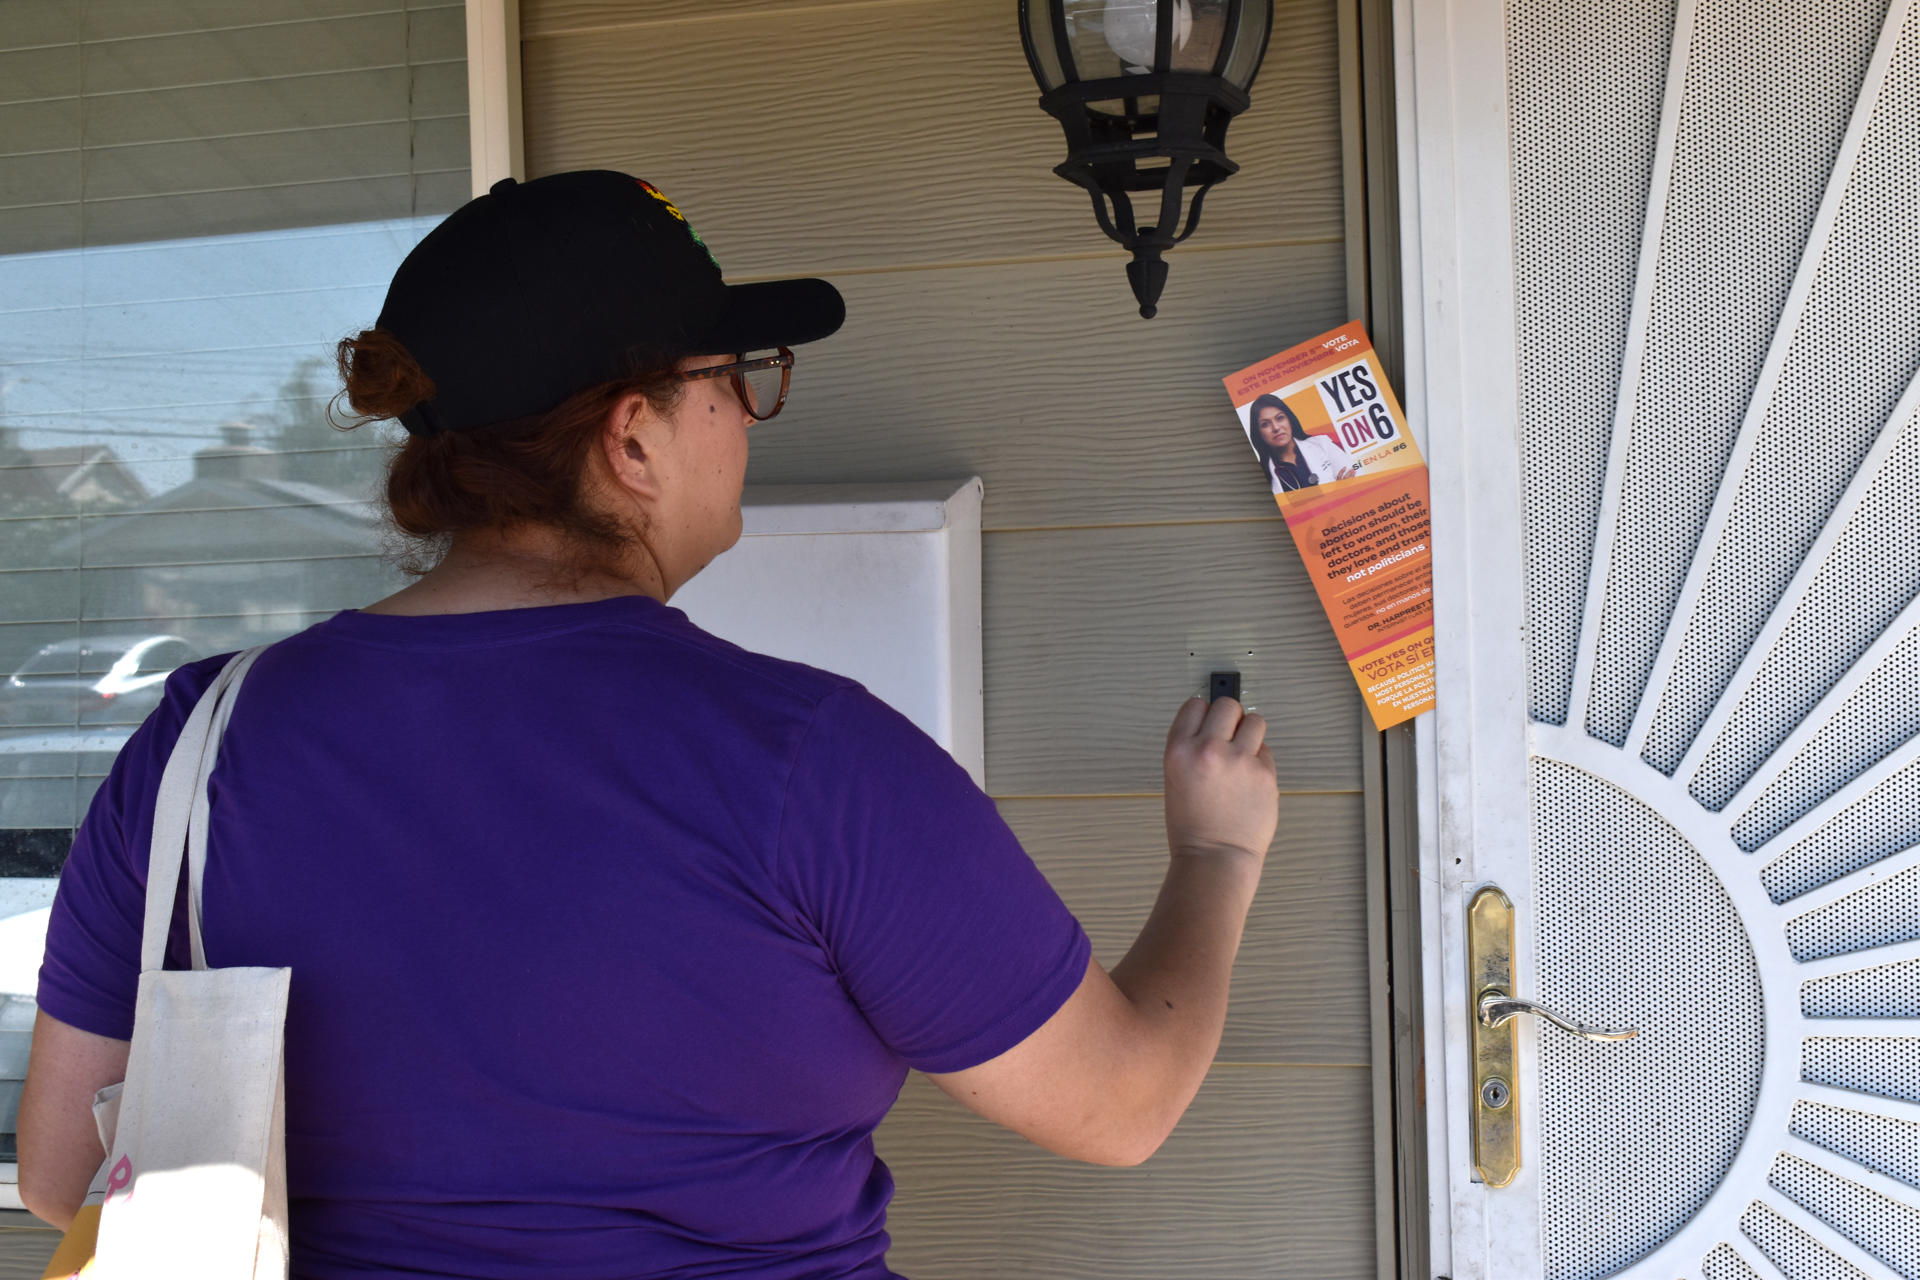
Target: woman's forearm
{"x": 1177, "y": 972}
{"x": 1110, "y": 1073}
{"x": 59, "y": 1146}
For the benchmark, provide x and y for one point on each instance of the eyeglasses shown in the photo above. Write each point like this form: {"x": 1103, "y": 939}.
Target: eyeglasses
{"x": 757, "y": 382}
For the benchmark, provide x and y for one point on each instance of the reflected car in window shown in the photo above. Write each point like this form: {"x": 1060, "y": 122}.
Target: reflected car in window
{"x": 112, "y": 679}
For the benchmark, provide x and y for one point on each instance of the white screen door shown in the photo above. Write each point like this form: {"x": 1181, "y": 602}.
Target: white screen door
{"x": 1664, "y": 339}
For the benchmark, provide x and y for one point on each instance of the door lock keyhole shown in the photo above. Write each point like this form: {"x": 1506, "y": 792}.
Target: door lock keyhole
{"x": 1495, "y": 1094}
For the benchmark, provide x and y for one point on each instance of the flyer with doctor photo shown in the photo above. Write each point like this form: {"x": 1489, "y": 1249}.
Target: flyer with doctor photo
{"x": 1332, "y": 444}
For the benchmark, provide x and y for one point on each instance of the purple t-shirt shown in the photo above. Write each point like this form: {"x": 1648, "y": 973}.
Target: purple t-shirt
{"x": 611, "y": 942}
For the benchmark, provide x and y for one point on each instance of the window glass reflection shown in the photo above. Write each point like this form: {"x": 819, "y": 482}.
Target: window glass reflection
{"x": 208, "y": 503}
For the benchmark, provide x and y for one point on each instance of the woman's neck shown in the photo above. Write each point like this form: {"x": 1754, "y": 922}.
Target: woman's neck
{"x": 520, "y": 568}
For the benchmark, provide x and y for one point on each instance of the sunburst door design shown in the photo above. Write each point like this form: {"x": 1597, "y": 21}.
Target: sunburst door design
{"x": 1716, "y": 214}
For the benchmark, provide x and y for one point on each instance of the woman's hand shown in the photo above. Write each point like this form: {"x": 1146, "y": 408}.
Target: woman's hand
{"x": 1221, "y": 792}
{"x": 1346, "y": 473}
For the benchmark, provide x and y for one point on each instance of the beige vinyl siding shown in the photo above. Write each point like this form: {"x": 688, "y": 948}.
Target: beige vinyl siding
{"x": 1263, "y": 1178}
{"x": 895, "y": 147}
{"x": 1095, "y": 634}
{"x": 893, "y": 133}
{"x": 1117, "y": 418}
{"x": 1294, "y": 1000}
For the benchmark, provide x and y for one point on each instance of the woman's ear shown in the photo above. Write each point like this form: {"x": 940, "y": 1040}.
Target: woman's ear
{"x": 630, "y": 444}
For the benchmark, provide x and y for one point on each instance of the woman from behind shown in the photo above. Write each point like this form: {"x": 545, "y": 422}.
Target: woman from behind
{"x": 611, "y": 942}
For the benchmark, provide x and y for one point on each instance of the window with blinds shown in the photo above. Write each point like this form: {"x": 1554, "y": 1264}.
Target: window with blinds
{"x": 198, "y": 198}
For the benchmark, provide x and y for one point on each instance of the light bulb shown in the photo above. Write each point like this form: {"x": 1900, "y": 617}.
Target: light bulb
{"x": 1129, "y": 27}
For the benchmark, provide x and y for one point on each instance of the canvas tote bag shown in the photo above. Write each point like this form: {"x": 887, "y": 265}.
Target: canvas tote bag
{"x": 194, "y": 1183}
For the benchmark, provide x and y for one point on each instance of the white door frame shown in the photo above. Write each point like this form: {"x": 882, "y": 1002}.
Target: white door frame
{"x": 1462, "y": 399}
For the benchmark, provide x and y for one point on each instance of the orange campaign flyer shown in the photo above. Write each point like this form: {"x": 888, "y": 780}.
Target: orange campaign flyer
{"x": 1333, "y": 445}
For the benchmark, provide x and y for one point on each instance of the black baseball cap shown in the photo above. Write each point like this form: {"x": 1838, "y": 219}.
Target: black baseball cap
{"x": 540, "y": 289}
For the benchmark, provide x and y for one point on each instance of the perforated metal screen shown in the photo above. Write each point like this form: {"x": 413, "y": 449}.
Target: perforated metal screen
{"x": 1885, "y": 1066}
{"x": 1883, "y": 822}
{"x": 1786, "y": 489}
{"x": 1724, "y": 1264}
{"x": 1759, "y": 129}
{"x": 1579, "y": 196}
{"x": 1871, "y": 574}
{"x": 1880, "y": 1143}
{"x": 1873, "y": 723}
{"x": 1792, "y": 1250}
{"x": 1634, "y": 930}
{"x": 1886, "y": 1228}
{"x": 1888, "y": 991}
{"x": 1876, "y": 916}
{"x": 1750, "y": 716}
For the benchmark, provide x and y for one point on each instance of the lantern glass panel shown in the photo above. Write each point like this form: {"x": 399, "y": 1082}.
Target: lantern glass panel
{"x": 1250, "y": 43}
{"x": 1093, "y": 57}
{"x": 1201, "y": 52}
{"x": 1036, "y": 21}
{"x": 1116, "y": 37}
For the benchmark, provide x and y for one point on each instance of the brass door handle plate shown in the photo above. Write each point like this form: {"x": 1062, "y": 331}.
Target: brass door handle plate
{"x": 1496, "y": 1093}
{"x": 1496, "y": 1109}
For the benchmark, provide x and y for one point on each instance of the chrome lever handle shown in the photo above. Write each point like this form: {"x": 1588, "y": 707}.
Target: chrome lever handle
{"x": 1497, "y": 1007}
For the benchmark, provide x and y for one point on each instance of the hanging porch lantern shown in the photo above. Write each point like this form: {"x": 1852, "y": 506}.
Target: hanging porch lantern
{"x": 1144, "y": 90}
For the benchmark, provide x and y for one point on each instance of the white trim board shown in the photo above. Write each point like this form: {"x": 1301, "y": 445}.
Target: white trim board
{"x": 495, "y": 136}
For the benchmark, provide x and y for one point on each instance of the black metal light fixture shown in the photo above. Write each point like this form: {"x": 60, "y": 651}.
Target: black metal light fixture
{"x": 1144, "y": 90}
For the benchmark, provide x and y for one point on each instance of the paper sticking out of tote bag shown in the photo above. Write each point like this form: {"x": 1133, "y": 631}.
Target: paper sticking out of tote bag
{"x": 194, "y": 1183}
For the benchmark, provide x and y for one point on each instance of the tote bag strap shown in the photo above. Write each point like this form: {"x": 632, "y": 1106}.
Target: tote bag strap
{"x": 180, "y": 816}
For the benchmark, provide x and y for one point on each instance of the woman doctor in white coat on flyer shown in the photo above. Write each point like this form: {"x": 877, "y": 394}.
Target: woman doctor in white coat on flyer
{"x": 1291, "y": 457}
